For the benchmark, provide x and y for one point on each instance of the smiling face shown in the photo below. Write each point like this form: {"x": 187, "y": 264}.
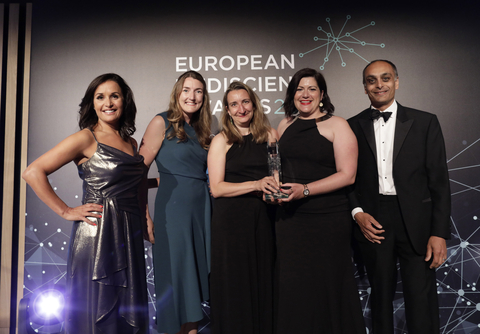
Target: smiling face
{"x": 308, "y": 97}
{"x": 108, "y": 102}
{"x": 380, "y": 84}
{"x": 191, "y": 97}
{"x": 240, "y": 107}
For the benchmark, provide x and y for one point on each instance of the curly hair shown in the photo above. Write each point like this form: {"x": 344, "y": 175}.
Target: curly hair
{"x": 201, "y": 120}
{"x": 259, "y": 125}
{"x": 88, "y": 116}
{"x": 289, "y": 104}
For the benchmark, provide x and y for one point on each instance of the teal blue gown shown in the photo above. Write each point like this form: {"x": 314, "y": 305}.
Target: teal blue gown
{"x": 182, "y": 232}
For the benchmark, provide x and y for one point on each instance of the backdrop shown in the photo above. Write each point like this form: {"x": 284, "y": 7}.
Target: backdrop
{"x": 150, "y": 43}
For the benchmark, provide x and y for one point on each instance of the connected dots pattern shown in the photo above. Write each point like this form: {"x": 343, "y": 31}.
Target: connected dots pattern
{"x": 458, "y": 279}
{"x": 340, "y": 42}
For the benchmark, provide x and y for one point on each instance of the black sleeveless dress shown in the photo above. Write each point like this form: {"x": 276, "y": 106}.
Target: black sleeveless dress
{"x": 106, "y": 280}
{"x": 315, "y": 286}
{"x": 241, "y": 279}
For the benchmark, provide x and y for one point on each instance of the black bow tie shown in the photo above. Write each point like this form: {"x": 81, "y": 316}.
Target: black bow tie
{"x": 376, "y": 114}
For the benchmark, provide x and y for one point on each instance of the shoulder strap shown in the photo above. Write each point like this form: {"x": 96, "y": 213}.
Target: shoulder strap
{"x": 93, "y": 135}
{"x": 323, "y": 118}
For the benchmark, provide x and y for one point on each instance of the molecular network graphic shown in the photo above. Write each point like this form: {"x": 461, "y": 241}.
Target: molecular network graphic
{"x": 458, "y": 279}
{"x": 340, "y": 42}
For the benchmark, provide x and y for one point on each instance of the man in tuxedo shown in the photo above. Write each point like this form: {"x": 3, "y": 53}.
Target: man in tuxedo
{"x": 400, "y": 201}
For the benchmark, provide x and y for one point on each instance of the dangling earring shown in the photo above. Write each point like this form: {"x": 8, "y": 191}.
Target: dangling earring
{"x": 231, "y": 120}
{"x": 321, "y": 104}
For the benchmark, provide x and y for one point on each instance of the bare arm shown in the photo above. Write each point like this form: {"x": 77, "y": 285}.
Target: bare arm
{"x": 151, "y": 143}
{"x": 152, "y": 140}
{"x": 77, "y": 147}
{"x": 216, "y": 170}
{"x": 150, "y": 227}
{"x": 346, "y": 153}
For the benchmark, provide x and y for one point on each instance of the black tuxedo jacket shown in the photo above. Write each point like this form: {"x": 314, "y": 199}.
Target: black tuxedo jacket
{"x": 419, "y": 171}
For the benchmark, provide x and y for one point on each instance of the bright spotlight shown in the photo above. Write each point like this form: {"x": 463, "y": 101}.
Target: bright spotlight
{"x": 43, "y": 312}
{"x": 48, "y": 306}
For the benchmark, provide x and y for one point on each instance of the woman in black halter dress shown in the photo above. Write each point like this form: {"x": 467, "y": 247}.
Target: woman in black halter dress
{"x": 316, "y": 291}
{"x": 241, "y": 279}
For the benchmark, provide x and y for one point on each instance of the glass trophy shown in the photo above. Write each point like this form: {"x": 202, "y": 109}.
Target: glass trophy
{"x": 275, "y": 169}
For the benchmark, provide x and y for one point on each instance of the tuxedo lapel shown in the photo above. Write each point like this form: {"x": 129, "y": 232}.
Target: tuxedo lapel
{"x": 402, "y": 127}
{"x": 367, "y": 127}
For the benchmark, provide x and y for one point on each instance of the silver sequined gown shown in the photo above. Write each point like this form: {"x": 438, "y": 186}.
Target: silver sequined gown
{"x": 106, "y": 285}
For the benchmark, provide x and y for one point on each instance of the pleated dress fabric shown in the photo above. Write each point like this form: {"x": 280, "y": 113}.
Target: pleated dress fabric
{"x": 106, "y": 280}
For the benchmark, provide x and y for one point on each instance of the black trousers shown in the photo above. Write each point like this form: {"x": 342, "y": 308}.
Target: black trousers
{"x": 419, "y": 282}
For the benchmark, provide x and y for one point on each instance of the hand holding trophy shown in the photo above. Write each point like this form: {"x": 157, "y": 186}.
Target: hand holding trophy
{"x": 275, "y": 170}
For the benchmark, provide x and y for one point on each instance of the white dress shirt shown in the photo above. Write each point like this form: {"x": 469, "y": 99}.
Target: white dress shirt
{"x": 384, "y": 138}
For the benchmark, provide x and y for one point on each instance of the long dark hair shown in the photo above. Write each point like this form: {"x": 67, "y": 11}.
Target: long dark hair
{"x": 289, "y": 104}
{"x": 88, "y": 117}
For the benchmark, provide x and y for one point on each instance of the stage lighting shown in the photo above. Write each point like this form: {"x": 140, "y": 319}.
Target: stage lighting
{"x": 42, "y": 313}
{"x": 48, "y": 307}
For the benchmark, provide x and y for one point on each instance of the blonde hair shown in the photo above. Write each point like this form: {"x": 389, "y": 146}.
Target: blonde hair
{"x": 201, "y": 120}
{"x": 259, "y": 125}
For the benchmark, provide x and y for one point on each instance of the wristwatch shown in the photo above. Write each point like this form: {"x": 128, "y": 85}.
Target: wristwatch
{"x": 306, "y": 192}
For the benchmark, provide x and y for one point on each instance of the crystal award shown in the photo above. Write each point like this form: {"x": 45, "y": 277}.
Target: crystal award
{"x": 275, "y": 169}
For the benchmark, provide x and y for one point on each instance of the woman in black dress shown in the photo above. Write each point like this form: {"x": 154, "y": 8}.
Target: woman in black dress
{"x": 241, "y": 279}
{"x": 316, "y": 291}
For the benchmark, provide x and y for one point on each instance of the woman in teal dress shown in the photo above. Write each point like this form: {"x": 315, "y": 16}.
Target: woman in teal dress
{"x": 178, "y": 140}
